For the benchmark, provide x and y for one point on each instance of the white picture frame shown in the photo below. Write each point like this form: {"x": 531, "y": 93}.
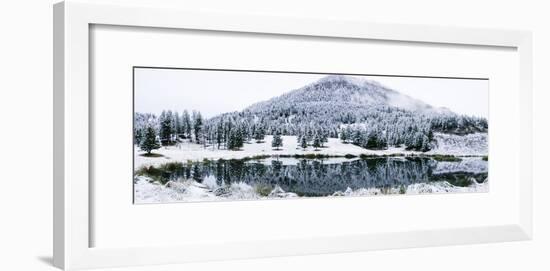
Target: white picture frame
{"x": 72, "y": 20}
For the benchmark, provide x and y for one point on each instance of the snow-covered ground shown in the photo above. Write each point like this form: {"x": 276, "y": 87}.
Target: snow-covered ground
{"x": 468, "y": 164}
{"x": 472, "y": 144}
{"x": 190, "y": 151}
{"x": 191, "y": 191}
{"x": 418, "y": 188}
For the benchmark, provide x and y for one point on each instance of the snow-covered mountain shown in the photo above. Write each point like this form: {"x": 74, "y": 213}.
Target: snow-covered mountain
{"x": 344, "y": 91}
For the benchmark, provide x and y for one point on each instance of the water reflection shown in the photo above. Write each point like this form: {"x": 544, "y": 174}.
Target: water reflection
{"x": 322, "y": 177}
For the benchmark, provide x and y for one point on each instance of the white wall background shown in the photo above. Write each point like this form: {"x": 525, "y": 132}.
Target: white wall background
{"x": 26, "y": 132}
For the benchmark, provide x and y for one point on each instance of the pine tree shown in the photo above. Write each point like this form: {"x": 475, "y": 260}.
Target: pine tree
{"x": 309, "y": 135}
{"x": 316, "y": 142}
{"x": 172, "y": 126}
{"x": 165, "y": 129}
{"x": 149, "y": 141}
{"x": 259, "y": 134}
{"x": 357, "y": 137}
{"x": 299, "y": 137}
{"x": 197, "y": 126}
{"x": 425, "y": 146}
{"x": 229, "y": 142}
{"x": 239, "y": 139}
{"x": 243, "y": 131}
{"x": 186, "y": 124}
{"x": 277, "y": 141}
{"x": 228, "y": 126}
{"x": 235, "y": 140}
{"x": 344, "y": 136}
{"x": 177, "y": 124}
{"x": 138, "y": 136}
{"x": 323, "y": 137}
{"x": 303, "y": 142}
{"x": 371, "y": 141}
{"x": 219, "y": 133}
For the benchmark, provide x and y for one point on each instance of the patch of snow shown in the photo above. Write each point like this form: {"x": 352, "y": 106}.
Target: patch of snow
{"x": 278, "y": 192}
{"x": 468, "y": 164}
{"x": 188, "y": 191}
{"x": 417, "y": 188}
{"x": 146, "y": 191}
{"x": 372, "y": 191}
{"x": 445, "y": 187}
{"x": 471, "y": 144}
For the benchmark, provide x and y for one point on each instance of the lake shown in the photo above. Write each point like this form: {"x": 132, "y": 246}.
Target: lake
{"x": 324, "y": 177}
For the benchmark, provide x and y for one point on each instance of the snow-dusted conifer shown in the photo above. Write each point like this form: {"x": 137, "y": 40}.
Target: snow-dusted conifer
{"x": 316, "y": 142}
{"x": 344, "y": 136}
{"x": 277, "y": 141}
{"x": 303, "y": 142}
{"x": 259, "y": 134}
{"x": 186, "y": 124}
{"x": 149, "y": 141}
{"x": 177, "y": 125}
{"x": 165, "y": 129}
{"x": 197, "y": 126}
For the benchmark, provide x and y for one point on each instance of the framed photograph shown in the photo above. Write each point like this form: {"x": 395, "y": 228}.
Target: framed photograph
{"x": 270, "y": 134}
{"x": 191, "y": 136}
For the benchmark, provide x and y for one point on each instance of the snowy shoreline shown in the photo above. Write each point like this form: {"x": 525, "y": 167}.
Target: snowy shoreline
{"x": 470, "y": 149}
{"x": 461, "y": 146}
{"x": 147, "y": 191}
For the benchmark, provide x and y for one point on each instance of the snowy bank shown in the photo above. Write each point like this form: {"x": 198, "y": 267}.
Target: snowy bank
{"x": 195, "y": 152}
{"x": 147, "y": 191}
{"x": 471, "y": 144}
{"x": 417, "y": 188}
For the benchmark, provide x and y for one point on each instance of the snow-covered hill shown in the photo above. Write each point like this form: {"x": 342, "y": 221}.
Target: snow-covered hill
{"x": 340, "y": 89}
{"x": 387, "y": 117}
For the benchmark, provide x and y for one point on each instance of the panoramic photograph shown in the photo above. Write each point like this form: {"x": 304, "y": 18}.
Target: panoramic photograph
{"x": 224, "y": 135}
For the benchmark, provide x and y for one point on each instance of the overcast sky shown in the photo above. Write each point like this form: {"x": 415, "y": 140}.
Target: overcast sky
{"x": 214, "y": 92}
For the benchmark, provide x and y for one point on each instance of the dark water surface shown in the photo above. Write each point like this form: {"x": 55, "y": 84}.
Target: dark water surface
{"x": 323, "y": 177}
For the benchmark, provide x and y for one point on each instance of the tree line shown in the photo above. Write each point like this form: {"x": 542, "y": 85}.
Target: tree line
{"x": 225, "y": 132}
{"x": 368, "y": 128}
{"x": 152, "y": 132}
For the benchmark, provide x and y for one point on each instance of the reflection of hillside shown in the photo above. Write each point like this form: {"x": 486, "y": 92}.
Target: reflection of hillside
{"x": 319, "y": 178}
